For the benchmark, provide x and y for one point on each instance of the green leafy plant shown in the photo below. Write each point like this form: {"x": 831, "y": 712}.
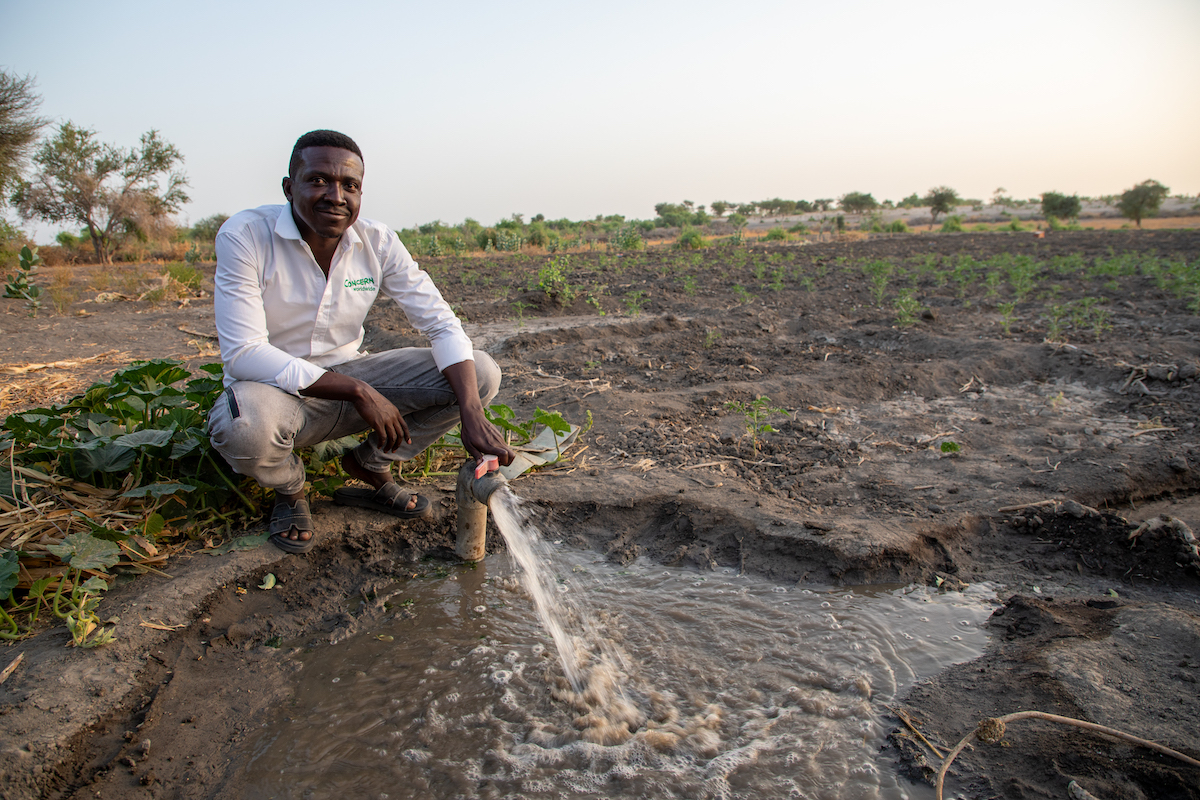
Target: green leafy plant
{"x": 518, "y": 433}
{"x": 950, "y": 448}
{"x": 908, "y": 309}
{"x": 689, "y": 285}
{"x": 82, "y": 551}
{"x": 19, "y": 287}
{"x": 1007, "y": 316}
{"x": 711, "y": 337}
{"x": 953, "y": 224}
{"x": 635, "y": 301}
{"x": 754, "y": 416}
{"x": 1056, "y": 317}
{"x": 879, "y": 272}
{"x": 552, "y": 279}
{"x": 691, "y": 239}
{"x": 744, "y": 295}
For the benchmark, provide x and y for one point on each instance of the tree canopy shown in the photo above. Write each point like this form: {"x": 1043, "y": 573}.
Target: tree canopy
{"x": 858, "y": 202}
{"x": 1142, "y": 200}
{"x": 19, "y": 127}
{"x": 941, "y": 200}
{"x": 1061, "y": 206}
{"x": 112, "y": 192}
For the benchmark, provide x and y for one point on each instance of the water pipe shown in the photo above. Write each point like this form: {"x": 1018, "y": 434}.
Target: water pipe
{"x": 476, "y": 484}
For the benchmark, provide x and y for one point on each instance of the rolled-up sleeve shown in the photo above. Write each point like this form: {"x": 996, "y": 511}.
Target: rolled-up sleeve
{"x": 422, "y": 303}
{"x": 242, "y": 324}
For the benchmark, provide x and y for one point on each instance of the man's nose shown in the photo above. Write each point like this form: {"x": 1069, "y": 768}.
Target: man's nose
{"x": 335, "y": 194}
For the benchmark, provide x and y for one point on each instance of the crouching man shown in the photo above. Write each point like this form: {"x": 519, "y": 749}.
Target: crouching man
{"x": 294, "y": 283}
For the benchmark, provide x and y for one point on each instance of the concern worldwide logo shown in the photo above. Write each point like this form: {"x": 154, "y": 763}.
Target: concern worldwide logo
{"x": 361, "y": 284}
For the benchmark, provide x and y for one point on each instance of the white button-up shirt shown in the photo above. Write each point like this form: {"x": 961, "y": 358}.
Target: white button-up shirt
{"x": 281, "y": 322}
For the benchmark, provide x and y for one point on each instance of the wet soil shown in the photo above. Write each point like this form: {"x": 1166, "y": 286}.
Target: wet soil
{"x": 956, "y": 447}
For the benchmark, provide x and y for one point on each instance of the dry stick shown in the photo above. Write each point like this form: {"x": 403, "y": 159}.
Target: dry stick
{"x": 1023, "y": 506}
{"x": 903, "y": 717}
{"x": 993, "y": 731}
{"x": 16, "y": 662}
{"x": 1150, "y": 430}
{"x": 198, "y": 333}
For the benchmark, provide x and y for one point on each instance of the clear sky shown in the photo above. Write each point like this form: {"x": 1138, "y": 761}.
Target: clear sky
{"x": 482, "y": 109}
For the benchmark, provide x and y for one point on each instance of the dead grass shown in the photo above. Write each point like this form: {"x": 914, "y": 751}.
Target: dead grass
{"x": 32, "y": 384}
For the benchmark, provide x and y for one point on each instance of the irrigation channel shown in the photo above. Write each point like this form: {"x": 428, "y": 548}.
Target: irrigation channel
{"x": 637, "y": 681}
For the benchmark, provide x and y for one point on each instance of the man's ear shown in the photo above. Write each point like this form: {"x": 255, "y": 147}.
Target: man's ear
{"x": 287, "y": 187}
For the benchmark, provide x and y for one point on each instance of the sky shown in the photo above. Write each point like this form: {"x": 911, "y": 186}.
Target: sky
{"x": 485, "y": 109}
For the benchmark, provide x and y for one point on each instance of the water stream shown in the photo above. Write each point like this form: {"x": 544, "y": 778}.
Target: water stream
{"x": 685, "y": 685}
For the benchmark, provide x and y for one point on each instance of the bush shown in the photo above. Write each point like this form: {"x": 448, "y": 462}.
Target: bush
{"x": 897, "y": 227}
{"x": 691, "y": 239}
{"x": 627, "y": 237}
{"x": 1060, "y": 205}
{"x": 777, "y": 234}
{"x": 799, "y": 227}
{"x": 953, "y": 224}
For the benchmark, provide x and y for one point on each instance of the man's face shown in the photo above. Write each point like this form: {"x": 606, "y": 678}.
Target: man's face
{"x": 325, "y": 192}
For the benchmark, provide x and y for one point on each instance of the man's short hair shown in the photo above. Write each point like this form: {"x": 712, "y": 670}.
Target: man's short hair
{"x": 321, "y": 138}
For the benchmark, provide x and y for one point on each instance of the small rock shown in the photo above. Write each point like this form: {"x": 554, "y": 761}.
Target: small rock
{"x": 1178, "y": 463}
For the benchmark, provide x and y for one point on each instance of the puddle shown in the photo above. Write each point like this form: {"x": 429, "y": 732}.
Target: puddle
{"x": 748, "y": 689}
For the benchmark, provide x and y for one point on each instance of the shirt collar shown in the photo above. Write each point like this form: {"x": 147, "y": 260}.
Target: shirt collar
{"x": 285, "y": 226}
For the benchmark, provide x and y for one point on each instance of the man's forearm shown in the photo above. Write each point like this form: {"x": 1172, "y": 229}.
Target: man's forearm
{"x": 335, "y": 386}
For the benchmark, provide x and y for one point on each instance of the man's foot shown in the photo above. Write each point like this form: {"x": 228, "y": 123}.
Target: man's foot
{"x": 377, "y": 480}
{"x": 291, "y": 525}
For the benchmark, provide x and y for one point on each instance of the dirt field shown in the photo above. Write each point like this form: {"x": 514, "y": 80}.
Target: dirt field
{"x": 956, "y": 446}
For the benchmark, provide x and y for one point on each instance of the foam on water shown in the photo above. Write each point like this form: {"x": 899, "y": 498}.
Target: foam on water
{"x": 686, "y": 684}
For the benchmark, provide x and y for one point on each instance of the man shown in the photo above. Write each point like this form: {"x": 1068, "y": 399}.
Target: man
{"x": 293, "y": 286}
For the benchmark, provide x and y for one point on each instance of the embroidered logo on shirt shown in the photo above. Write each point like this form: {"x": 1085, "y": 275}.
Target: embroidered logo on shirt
{"x": 361, "y": 284}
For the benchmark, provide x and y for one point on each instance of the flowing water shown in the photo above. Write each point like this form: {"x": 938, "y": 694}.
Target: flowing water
{"x": 671, "y": 684}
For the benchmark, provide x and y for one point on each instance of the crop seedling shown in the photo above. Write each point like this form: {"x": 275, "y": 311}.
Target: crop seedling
{"x": 754, "y": 416}
{"x": 689, "y": 285}
{"x": 950, "y": 448}
{"x": 879, "y": 272}
{"x": 1007, "y": 315}
{"x": 18, "y": 285}
{"x": 744, "y": 295}
{"x": 635, "y": 301}
{"x": 517, "y": 433}
{"x": 907, "y": 309}
{"x": 777, "y": 276}
{"x": 711, "y": 337}
{"x": 1056, "y": 317}
{"x": 519, "y": 306}
{"x": 552, "y": 279}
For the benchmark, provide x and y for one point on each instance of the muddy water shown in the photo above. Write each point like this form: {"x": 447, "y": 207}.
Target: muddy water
{"x": 741, "y": 688}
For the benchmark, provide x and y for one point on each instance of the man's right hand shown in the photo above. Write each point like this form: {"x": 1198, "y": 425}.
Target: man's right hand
{"x": 383, "y": 417}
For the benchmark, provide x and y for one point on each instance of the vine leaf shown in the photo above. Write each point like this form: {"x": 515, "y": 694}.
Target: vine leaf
{"x": 83, "y": 551}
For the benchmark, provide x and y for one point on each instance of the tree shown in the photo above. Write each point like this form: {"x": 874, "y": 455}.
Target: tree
{"x": 941, "y": 200}
{"x": 823, "y": 204}
{"x": 19, "y": 127}
{"x": 1142, "y": 200}
{"x": 112, "y": 192}
{"x": 206, "y": 229}
{"x": 1061, "y": 206}
{"x": 719, "y": 207}
{"x": 858, "y": 202}
{"x": 912, "y": 201}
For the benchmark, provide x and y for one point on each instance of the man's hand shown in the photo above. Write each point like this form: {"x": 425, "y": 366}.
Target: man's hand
{"x": 479, "y": 436}
{"x": 387, "y": 422}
